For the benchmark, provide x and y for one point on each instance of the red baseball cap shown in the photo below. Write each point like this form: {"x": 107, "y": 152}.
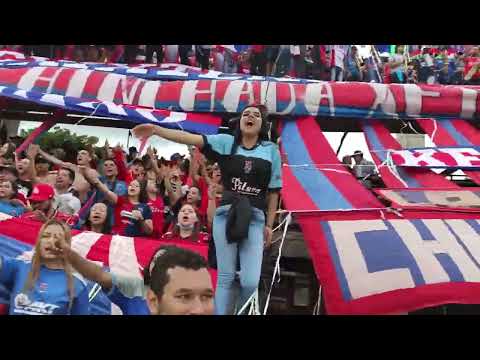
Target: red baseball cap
{"x": 42, "y": 192}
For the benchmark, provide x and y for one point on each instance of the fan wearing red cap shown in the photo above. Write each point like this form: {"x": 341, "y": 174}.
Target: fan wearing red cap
{"x": 41, "y": 202}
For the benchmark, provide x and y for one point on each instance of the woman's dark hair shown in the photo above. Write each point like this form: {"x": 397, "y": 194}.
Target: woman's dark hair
{"x": 264, "y": 129}
{"x": 107, "y": 225}
{"x": 143, "y": 196}
{"x": 196, "y": 227}
{"x": 10, "y": 150}
{"x": 14, "y": 188}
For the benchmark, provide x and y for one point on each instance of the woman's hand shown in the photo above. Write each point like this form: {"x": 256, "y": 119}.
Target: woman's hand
{"x": 143, "y": 131}
{"x": 267, "y": 233}
{"x": 61, "y": 247}
{"x": 137, "y": 214}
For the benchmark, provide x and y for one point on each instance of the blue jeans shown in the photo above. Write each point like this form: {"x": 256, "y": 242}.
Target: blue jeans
{"x": 250, "y": 251}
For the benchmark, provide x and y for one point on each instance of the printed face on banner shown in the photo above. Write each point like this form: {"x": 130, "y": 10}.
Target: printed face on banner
{"x": 376, "y": 256}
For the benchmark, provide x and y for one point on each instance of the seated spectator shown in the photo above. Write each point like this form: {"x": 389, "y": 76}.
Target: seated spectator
{"x": 133, "y": 217}
{"x": 98, "y": 219}
{"x": 176, "y": 281}
{"x": 41, "y": 203}
{"x": 363, "y": 169}
{"x": 187, "y": 227}
{"x": 46, "y": 285}
{"x": 66, "y": 201}
{"x": 8, "y": 203}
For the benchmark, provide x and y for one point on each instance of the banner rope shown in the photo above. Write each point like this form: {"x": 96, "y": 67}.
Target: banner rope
{"x": 316, "y": 309}
{"x": 88, "y": 116}
{"x": 276, "y": 270}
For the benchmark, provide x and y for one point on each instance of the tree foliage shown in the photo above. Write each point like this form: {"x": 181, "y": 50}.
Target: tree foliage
{"x": 59, "y": 138}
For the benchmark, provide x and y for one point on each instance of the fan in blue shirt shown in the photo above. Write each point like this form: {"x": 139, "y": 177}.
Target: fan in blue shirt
{"x": 45, "y": 285}
{"x": 8, "y": 204}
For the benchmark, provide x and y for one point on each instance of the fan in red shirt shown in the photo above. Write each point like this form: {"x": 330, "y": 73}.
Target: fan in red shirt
{"x": 472, "y": 67}
{"x": 41, "y": 201}
{"x": 187, "y": 227}
{"x": 133, "y": 217}
{"x": 157, "y": 206}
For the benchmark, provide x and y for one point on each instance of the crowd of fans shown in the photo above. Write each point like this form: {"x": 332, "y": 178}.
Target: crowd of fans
{"x": 110, "y": 191}
{"x": 442, "y": 64}
{"x": 126, "y": 194}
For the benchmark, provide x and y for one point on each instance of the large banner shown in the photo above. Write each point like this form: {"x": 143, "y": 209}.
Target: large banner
{"x": 343, "y": 99}
{"x": 441, "y": 157}
{"x": 435, "y": 199}
{"x": 397, "y": 264}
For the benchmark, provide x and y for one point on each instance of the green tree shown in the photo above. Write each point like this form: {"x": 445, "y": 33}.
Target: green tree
{"x": 58, "y": 137}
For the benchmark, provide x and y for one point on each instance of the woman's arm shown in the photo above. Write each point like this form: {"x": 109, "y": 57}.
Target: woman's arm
{"x": 31, "y": 154}
{"x": 272, "y": 204}
{"x": 212, "y": 204}
{"x": 92, "y": 177}
{"x": 51, "y": 158}
{"x": 144, "y": 131}
{"x": 154, "y": 161}
{"x": 87, "y": 269}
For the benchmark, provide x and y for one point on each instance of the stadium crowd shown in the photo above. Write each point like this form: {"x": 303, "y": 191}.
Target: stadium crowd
{"x": 109, "y": 191}
{"x": 196, "y": 199}
{"x": 442, "y": 64}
